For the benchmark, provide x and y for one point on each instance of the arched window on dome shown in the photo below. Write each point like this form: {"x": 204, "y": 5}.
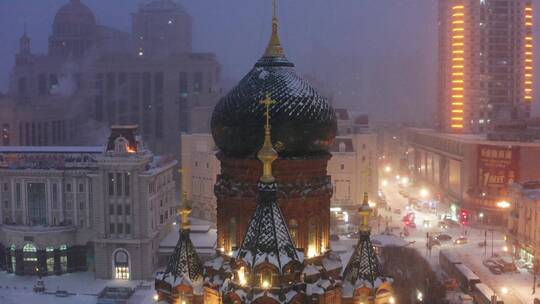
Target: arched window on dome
{"x": 293, "y": 231}
{"x": 312, "y": 237}
{"x": 265, "y": 278}
{"x": 232, "y": 233}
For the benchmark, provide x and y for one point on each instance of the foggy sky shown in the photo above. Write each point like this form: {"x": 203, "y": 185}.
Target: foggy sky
{"x": 378, "y": 56}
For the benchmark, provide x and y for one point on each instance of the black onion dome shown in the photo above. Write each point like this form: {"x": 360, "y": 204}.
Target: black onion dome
{"x": 303, "y": 122}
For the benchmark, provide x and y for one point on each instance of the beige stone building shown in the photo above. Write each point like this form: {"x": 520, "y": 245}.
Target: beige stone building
{"x": 523, "y": 222}
{"x": 353, "y": 166}
{"x": 103, "y": 209}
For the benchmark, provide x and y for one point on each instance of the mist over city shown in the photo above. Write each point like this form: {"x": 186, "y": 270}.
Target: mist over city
{"x": 271, "y": 151}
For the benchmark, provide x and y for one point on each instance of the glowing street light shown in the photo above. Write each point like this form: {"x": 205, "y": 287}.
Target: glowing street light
{"x": 481, "y": 215}
{"x": 384, "y": 183}
{"x": 504, "y": 290}
{"x": 404, "y": 180}
{"x": 424, "y": 193}
{"x": 505, "y": 248}
{"x": 387, "y": 169}
{"x": 503, "y": 204}
{"x": 156, "y": 297}
{"x": 392, "y": 300}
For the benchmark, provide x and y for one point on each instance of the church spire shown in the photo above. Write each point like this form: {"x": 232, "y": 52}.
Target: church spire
{"x": 185, "y": 210}
{"x": 267, "y": 154}
{"x": 274, "y": 48}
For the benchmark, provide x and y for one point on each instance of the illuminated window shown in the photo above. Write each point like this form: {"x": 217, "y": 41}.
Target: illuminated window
{"x": 121, "y": 264}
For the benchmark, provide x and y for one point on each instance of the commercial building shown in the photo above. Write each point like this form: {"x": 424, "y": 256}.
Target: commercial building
{"x": 103, "y": 208}
{"x": 485, "y": 63}
{"x": 468, "y": 173}
{"x": 523, "y": 222}
{"x": 103, "y": 76}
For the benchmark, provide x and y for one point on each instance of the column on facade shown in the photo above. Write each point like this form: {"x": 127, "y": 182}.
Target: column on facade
{"x": 75, "y": 203}
{"x": 24, "y": 202}
{"x": 13, "y": 205}
{"x": 49, "y": 202}
{"x": 1, "y": 202}
{"x": 87, "y": 203}
{"x": 61, "y": 200}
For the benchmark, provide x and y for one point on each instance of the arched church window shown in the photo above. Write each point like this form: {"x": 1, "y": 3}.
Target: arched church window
{"x": 293, "y": 231}
{"x": 312, "y": 237}
{"x": 266, "y": 278}
{"x": 232, "y": 233}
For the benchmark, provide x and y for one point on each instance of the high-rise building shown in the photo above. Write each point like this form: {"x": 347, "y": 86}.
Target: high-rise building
{"x": 97, "y": 76}
{"x": 485, "y": 63}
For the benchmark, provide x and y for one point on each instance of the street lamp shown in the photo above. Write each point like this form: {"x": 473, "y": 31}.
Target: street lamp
{"x": 387, "y": 169}
{"x": 504, "y": 290}
{"x": 424, "y": 193}
{"x": 404, "y": 180}
{"x": 384, "y": 183}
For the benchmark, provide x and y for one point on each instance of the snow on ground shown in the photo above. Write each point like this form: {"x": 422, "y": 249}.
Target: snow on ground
{"x": 18, "y": 289}
{"x": 472, "y": 255}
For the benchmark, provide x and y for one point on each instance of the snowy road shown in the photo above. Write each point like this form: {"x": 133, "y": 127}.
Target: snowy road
{"x": 519, "y": 285}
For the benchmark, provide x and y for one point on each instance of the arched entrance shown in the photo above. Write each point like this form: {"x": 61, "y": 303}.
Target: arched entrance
{"x": 121, "y": 264}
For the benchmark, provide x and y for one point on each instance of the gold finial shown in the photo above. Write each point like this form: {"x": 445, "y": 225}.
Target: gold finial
{"x": 274, "y": 48}
{"x": 185, "y": 209}
{"x": 365, "y": 212}
{"x": 267, "y": 154}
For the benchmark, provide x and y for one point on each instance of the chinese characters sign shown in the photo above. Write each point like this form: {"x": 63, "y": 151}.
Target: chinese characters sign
{"x": 497, "y": 166}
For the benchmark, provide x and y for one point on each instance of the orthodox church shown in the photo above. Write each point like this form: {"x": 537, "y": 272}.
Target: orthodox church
{"x": 274, "y": 217}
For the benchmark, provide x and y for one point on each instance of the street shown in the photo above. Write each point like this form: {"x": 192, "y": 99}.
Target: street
{"x": 511, "y": 287}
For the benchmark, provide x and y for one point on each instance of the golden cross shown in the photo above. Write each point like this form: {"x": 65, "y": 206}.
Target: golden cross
{"x": 267, "y": 102}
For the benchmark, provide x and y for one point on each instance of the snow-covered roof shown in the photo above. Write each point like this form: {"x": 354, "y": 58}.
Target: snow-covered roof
{"x": 267, "y": 238}
{"x": 52, "y": 149}
{"x": 363, "y": 264}
{"x": 184, "y": 264}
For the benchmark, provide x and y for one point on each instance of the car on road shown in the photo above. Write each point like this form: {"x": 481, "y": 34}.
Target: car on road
{"x": 334, "y": 237}
{"x": 442, "y": 225}
{"x": 495, "y": 270}
{"x": 411, "y": 225}
{"x": 482, "y": 244}
{"x": 426, "y": 223}
{"x": 443, "y": 237}
{"x": 461, "y": 240}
